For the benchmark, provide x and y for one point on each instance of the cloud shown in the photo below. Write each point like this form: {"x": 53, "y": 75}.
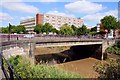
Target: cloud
{"x": 60, "y": 14}
{"x": 57, "y": 0}
{"x": 11, "y": 1}
{"x": 20, "y": 7}
{"x": 26, "y": 17}
{"x": 31, "y": 0}
{"x": 5, "y": 17}
{"x": 84, "y": 7}
{"x": 95, "y": 18}
{"x": 48, "y": 0}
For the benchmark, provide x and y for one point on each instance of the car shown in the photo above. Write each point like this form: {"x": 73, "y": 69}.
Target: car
{"x": 29, "y": 36}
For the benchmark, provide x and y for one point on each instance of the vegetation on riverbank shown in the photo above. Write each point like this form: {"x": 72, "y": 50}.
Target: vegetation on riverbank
{"x": 114, "y": 49}
{"x": 23, "y": 68}
{"x": 109, "y": 69}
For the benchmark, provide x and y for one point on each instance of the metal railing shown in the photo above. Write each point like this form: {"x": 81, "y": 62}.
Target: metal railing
{"x": 13, "y": 37}
{"x": 9, "y": 75}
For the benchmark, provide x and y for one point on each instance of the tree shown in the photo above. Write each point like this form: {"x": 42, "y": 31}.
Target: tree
{"x": 14, "y": 29}
{"x": 83, "y": 29}
{"x": 118, "y": 24}
{"x": 54, "y": 30}
{"x": 38, "y": 28}
{"x": 47, "y": 28}
{"x": 109, "y": 22}
{"x": 21, "y": 28}
{"x": 94, "y": 29}
{"x": 75, "y": 29}
{"x": 18, "y": 29}
{"x": 4, "y": 29}
{"x": 66, "y": 30}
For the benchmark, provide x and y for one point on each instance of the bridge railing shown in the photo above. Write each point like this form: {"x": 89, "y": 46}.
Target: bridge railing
{"x": 13, "y": 37}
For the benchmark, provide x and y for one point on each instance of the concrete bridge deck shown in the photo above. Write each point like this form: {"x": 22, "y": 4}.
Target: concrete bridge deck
{"x": 51, "y": 40}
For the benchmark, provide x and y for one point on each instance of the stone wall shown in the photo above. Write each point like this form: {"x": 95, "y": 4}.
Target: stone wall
{"x": 15, "y": 49}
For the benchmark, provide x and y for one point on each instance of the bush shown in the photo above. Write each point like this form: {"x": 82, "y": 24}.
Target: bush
{"x": 23, "y": 68}
{"x": 109, "y": 70}
{"x": 114, "y": 49}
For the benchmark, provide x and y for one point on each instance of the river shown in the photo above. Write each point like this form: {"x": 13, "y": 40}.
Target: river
{"x": 61, "y": 57}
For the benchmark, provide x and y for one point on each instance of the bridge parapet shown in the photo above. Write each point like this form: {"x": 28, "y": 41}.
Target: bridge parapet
{"x": 105, "y": 45}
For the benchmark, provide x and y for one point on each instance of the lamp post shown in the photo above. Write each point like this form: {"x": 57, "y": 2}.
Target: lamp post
{"x": 9, "y": 31}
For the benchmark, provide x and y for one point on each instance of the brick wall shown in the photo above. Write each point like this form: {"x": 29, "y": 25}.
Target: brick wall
{"x": 39, "y": 18}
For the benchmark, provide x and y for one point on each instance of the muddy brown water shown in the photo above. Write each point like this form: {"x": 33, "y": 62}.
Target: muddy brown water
{"x": 61, "y": 58}
{"x": 84, "y": 67}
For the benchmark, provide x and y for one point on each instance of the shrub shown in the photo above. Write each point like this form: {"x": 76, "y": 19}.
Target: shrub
{"x": 109, "y": 70}
{"x": 114, "y": 49}
{"x": 23, "y": 68}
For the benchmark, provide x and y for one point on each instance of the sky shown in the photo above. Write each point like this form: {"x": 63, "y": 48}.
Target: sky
{"x": 90, "y": 11}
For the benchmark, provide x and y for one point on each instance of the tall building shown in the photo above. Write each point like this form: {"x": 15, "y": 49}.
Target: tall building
{"x": 29, "y": 24}
{"x": 54, "y": 20}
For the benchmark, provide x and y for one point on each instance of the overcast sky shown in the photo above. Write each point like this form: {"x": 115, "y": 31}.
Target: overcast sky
{"x": 89, "y": 10}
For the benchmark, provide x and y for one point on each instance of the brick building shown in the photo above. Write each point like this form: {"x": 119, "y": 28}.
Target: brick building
{"x": 54, "y": 20}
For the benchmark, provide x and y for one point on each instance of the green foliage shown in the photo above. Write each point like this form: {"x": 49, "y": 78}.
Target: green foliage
{"x": 44, "y": 71}
{"x": 4, "y": 30}
{"x": 93, "y": 33}
{"x": 25, "y": 70}
{"x": 47, "y": 28}
{"x": 38, "y": 28}
{"x": 54, "y": 30}
{"x": 21, "y": 66}
{"x": 66, "y": 30}
{"x": 109, "y": 22}
{"x": 75, "y": 29}
{"x": 14, "y": 29}
{"x": 20, "y": 29}
{"x": 109, "y": 69}
{"x": 94, "y": 29}
{"x": 118, "y": 24}
{"x": 114, "y": 49}
{"x": 83, "y": 30}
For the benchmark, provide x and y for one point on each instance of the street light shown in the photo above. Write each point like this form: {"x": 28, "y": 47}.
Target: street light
{"x": 9, "y": 31}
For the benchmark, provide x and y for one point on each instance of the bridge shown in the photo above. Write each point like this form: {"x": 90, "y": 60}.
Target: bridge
{"x": 28, "y": 45}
